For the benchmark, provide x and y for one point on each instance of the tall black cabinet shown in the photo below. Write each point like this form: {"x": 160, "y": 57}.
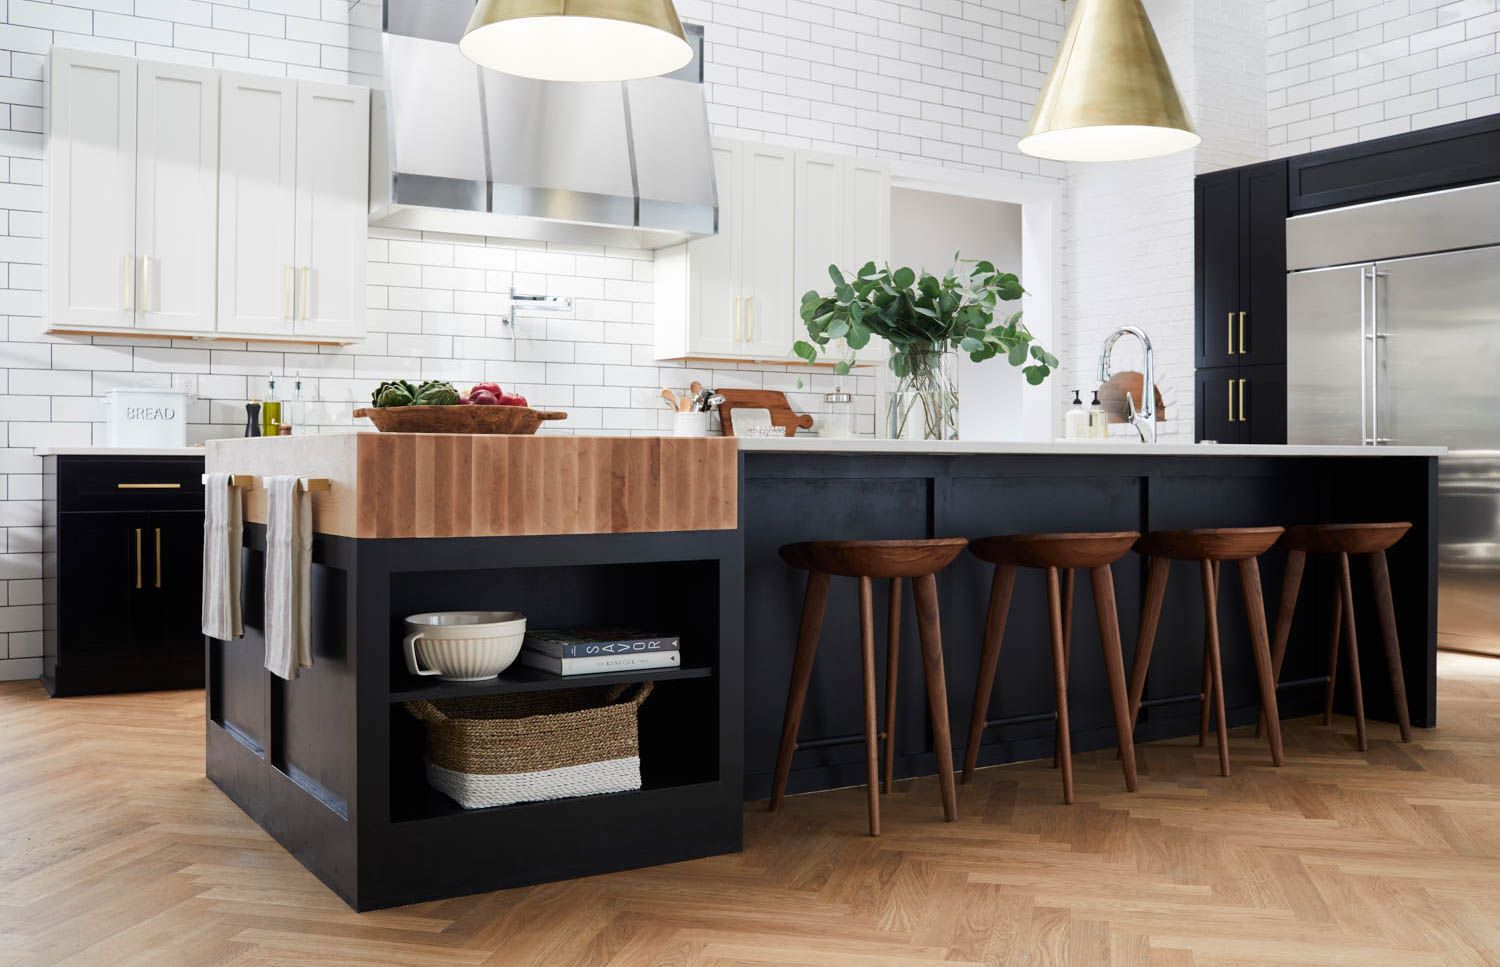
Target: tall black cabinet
{"x": 123, "y": 557}
{"x": 1240, "y": 346}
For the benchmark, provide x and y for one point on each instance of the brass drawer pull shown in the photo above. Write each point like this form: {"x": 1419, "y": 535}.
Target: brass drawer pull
{"x": 1229, "y": 336}
{"x": 148, "y": 486}
{"x": 1242, "y": 402}
{"x": 1229, "y": 395}
{"x": 158, "y": 557}
{"x": 137, "y": 557}
{"x": 1242, "y": 332}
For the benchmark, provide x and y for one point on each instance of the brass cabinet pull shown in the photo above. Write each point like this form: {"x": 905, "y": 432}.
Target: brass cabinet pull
{"x": 145, "y": 295}
{"x": 1229, "y": 395}
{"x": 1229, "y": 335}
{"x": 750, "y": 318}
{"x": 148, "y": 486}
{"x": 1242, "y": 402}
{"x": 1242, "y": 332}
{"x": 137, "y": 557}
{"x": 158, "y": 556}
{"x": 306, "y": 293}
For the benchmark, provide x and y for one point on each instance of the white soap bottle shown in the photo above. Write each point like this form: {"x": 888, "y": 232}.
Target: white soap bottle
{"x": 1098, "y": 420}
{"x": 1076, "y": 420}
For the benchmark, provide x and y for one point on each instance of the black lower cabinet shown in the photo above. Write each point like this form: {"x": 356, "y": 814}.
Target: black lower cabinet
{"x": 122, "y": 611}
{"x": 1241, "y": 404}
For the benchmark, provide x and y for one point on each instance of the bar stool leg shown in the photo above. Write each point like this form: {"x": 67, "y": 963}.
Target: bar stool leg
{"x": 1001, "y": 586}
{"x": 1067, "y": 632}
{"x": 1291, "y": 584}
{"x": 1346, "y": 590}
{"x": 1215, "y": 668}
{"x": 1206, "y": 686}
{"x": 1156, "y": 592}
{"x": 1380, "y": 577}
{"x": 811, "y": 628}
{"x": 1060, "y": 683}
{"x": 929, "y": 629}
{"x": 892, "y": 664}
{"x": 1255, "y": 607}
{"x": 1333, "y": 651}
{"x": 867, "y": 665}
{"x": 1114, "y": 665}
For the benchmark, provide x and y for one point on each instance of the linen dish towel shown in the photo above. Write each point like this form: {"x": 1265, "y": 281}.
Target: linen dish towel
{"x": 223, "y": 532}
{"x": 288, "y": 577}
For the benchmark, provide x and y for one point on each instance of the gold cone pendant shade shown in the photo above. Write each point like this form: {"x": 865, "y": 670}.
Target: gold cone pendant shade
{"x": 577, "y": 40}
{"x": 1110, "y": 95}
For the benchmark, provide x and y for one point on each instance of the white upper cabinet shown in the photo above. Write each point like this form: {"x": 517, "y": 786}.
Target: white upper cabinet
{"x": 177, "y": 153}
{"x": 333, "y": 203}
{"x": 767, "y": 181}
{"x": 258, "y": 205}
{"x": 195, "y": 202}
{"x": 784, "y": 217}
{"x": 92, "y": 161}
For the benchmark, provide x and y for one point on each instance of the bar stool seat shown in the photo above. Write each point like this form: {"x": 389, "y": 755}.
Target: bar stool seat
{"x": 1055, "y": 553}
{"x": 1341, "y": 541}
{"x": 893, "y": 560}
{"x": 1211, "y": 547}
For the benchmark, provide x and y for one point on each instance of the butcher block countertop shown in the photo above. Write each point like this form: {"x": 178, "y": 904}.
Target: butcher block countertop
{"x": 460, "y": 485}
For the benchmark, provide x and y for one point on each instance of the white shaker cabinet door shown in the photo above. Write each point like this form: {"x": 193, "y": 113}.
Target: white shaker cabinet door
{"x": 766, "y": 286}
{"x": 867, "y": 227}
{"x": 91, "y": 144}
{"x": 333, "y": 134}
{"x": 257, "y": 204}
{"x": 715, "y": 321}
{"x": 177, "y": 175}
{"x": 821, "y": 225}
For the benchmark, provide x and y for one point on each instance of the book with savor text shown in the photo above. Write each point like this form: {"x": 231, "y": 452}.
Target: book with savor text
{"x": 599, "y": 642}
{"x": 600, "y": 663}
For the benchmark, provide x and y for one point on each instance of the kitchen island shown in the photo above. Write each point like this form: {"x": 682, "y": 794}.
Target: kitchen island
{"x": 683, "y": 534}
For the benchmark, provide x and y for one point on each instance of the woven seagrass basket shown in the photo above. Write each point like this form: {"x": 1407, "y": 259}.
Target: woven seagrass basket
{"x": 492, "y": 750}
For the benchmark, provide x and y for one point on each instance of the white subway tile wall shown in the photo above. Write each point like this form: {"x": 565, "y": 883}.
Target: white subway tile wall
{"x": 939, "y": 81}
{"x": 1352, "y": 70}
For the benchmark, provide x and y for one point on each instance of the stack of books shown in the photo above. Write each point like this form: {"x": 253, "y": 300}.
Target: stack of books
{"x": 588, "y": 651}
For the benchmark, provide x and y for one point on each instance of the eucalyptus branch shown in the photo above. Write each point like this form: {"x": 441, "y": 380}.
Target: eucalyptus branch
{"x": 924, "y": 313}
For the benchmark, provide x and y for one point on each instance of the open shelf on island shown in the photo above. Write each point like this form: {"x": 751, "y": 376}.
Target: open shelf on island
{"x": 519, "y": 678}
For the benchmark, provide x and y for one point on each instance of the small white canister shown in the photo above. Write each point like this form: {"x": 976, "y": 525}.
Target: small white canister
{"x": 690, "y": 424}
{"x": 146, "y": 417}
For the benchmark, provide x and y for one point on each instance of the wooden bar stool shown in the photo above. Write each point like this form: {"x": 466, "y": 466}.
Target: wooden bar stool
{"x": 867, "y": 560}
{"x": 1343, "y": 540}
{"x": 1210, "y": 547}
{"x": 1055, "y": 553}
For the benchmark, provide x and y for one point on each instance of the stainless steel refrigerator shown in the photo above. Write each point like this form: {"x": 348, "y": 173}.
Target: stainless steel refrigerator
{"x": 1393, "y": 337}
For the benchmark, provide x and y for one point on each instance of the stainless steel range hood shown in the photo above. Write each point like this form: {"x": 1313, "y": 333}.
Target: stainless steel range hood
{"x": 456, "y": 148}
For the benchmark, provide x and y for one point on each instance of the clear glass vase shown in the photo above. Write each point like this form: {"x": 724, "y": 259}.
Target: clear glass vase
{"x": 923, "y": 402}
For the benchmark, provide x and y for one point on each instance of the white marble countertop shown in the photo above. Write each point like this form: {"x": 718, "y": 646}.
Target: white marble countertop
{"x": 1112, "y": 448}
{"x": 119, "y": 451}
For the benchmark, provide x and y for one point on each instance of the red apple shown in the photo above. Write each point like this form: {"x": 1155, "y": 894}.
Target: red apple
{"x": 483, "y": 397}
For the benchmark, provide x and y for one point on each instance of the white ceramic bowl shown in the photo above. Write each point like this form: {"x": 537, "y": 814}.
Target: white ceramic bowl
{"x": 463, "y": 646}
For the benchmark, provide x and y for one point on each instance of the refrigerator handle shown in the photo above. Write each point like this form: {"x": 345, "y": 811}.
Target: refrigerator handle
{"x": 1375, "y": 337}
{"x": 1364, "y": 355}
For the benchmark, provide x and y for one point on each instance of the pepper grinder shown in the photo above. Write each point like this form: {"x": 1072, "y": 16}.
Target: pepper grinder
{"x": 252, "y": 419}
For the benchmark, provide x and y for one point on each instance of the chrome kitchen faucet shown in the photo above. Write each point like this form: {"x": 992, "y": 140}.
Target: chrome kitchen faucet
{"x": 1143, "y": 419}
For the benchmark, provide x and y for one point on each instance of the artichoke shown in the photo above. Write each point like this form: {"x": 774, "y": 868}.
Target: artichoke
{"x": 436, "y": 392}
{"x": 394, "y": 392}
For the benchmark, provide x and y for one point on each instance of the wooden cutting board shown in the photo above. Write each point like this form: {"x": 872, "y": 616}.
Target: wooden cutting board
{"x": 782, "y": 413}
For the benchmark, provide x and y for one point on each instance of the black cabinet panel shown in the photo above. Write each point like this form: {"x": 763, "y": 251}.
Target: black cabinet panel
{"x": 1260, "y": 333}
{"x": 1215, "y": 405}
{"x": 1217, "y": 204}
{"x": 126, "y": 606}
{"x": 1262, "y": 403}
{"x": 1447, "y": 156}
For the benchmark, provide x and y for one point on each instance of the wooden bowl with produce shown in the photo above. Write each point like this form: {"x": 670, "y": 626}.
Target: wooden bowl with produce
{"x": 437, "y": 407}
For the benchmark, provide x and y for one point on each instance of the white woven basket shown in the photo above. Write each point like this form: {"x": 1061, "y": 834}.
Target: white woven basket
{"x": 477, "y": 791}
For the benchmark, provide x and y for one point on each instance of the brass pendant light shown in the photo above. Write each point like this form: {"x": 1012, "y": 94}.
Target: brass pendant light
{"x": 1110, "y": 95}
{"x": 577, "y": 40}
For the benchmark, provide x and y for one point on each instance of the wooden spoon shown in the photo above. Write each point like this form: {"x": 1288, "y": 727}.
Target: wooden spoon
{"x": 670, "y": 397}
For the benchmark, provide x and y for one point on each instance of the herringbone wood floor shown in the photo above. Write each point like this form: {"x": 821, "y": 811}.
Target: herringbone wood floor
{"x": 115, "y": 850}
